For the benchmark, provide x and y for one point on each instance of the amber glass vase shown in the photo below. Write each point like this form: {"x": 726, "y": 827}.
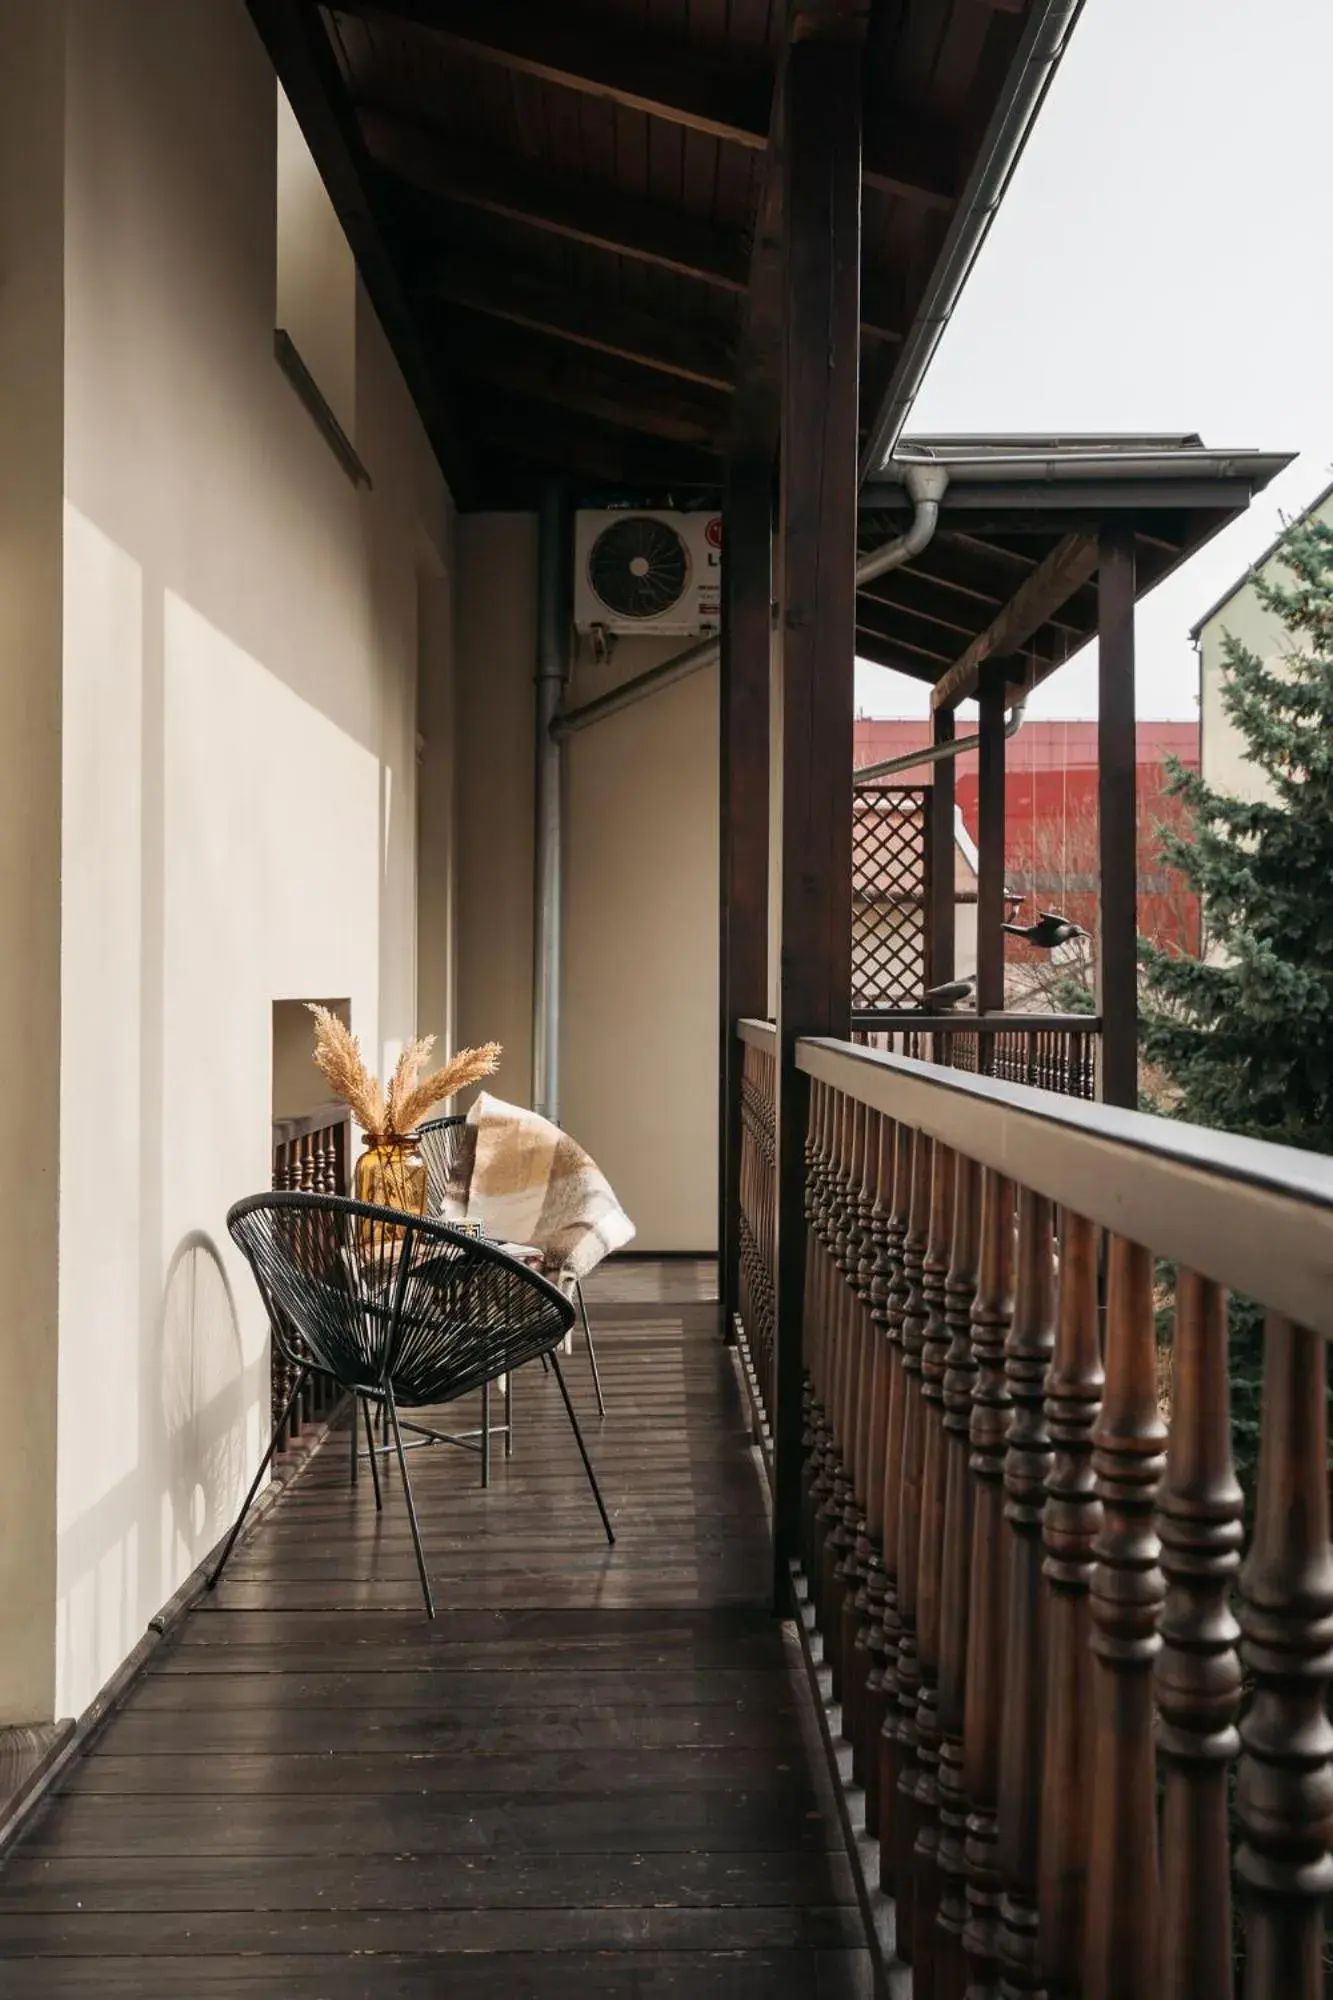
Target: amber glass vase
{"x": 390, "y": 1174}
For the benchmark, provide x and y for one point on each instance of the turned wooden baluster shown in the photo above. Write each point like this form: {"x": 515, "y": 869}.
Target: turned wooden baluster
{"x": 850, "y": 1574}
{"x": 901, "y": 1803}
{"x": 816, "y": 1482}
{"x": 822, "y": 1487}
{"x": 1070, "y": 1524}
{"x": 856, "y": 1661}
{"x": 1121, "y": 1948}
{"x": 1197, "y": 1679}
{"x": 812, "y": 1329}
{"x": 1284, "y": 1794}
{"x": 992, "y": 1316}
{"x": 1027, "y": 1466}
{"x": 838, "y": 1539}
{"x": 934, "y": 1355}
{"x": 830, "y": 1303}
{"x": 959, "y": 1376}
{"x": 870, "y": 1637}
{"x": 886, "y": 1696}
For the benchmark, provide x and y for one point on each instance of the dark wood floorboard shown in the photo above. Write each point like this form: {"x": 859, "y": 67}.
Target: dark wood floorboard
{"x": 594, "y": 1773}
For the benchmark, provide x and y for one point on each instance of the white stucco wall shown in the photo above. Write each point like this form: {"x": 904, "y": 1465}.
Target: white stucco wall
{"x": 31, "y": 443}
{"x": 639, "y": 1027}
{"x": 231, "y": 748}
{"x": 1223, "y": 761}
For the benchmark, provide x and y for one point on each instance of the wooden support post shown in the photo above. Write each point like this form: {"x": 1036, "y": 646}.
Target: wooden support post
{"x": 821, "y": 298}
{"x": 990, "y": 844}
{"x": 940, "y": 918}
{"x": 743, "y": 823}
{"x": 1117, "y": 957}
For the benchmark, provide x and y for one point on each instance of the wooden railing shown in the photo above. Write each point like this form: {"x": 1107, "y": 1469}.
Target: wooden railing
{"x": 758, "y": 1214}
{"x": 313, "y": 1156}
{"x": 1022, "y": 1531}
{"x": 1049, "y": 1051}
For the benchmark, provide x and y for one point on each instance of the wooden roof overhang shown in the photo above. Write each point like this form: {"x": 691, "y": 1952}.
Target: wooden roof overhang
{"x": 1011, "y": 571}
{"x": 568, "y": 212}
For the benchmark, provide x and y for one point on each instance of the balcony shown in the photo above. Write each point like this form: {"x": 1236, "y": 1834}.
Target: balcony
{"x": 926, "y": 1662}
{"x": 597, "y": 1771}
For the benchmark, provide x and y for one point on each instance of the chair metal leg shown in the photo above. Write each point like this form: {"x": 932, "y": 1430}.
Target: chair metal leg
{"x": 583, "y": 1449}
{"x": 371, "y": 1452}
{"x": 592, "y": 1351}
{"x": 392, "y": 1411}
{"x": 351, "y": 1432}
{"x": 264, "y": 1464}
{"x": 485, "y": 1433}
{"x": 509, "y": 1414}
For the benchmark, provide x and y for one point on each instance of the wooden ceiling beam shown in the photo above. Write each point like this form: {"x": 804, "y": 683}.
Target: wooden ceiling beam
{"x": 883, "y": 653}
{"x": 581, "y": 386}
{"x": 597, "y": 216}
{"x": 298, "y": 47}
{"x": 583, "y": 447}
{"x": 665, "y": 77}
{"x": 1051, "y": 584}
{"x": 604, "y": 326}
{"x": 600, "y": 217}
{"x": 652, "y": 73}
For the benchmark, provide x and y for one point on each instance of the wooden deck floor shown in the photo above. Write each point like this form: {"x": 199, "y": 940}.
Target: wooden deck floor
{"x": 595, "y": 1773}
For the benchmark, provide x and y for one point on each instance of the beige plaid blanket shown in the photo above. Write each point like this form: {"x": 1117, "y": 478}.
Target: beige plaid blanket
{"x": 528, "y": 1182}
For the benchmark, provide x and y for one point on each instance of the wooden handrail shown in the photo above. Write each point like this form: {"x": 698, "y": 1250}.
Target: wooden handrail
{"x": 761, "y": 1035}
{"x": 1253, "y": 1216}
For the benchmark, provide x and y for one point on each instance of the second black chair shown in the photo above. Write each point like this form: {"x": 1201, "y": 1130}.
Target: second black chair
{"x": 402, "y": 1312}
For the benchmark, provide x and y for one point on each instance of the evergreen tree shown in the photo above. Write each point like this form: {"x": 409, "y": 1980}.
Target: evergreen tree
{"x": 1246, "y": 1034}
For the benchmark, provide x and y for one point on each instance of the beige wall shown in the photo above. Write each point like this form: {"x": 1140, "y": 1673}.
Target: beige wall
{"x": 1224, "y": 763}
{"x": 496, "y": 625}
{"x": 31, "y": 346}
{"x": 236, "y": 790}
{"x": 639, "y": 1025}
{"x": 639, "y": 1037}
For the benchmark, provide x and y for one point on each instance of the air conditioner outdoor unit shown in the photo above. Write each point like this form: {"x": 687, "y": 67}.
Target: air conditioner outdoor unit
{"x": 646, "y": 572}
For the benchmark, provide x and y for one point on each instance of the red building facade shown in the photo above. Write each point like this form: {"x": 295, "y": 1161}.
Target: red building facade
{"x": 1051, "y": 814}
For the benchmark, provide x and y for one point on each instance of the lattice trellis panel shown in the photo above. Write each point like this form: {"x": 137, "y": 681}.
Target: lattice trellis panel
{"x": 890, "y": 888}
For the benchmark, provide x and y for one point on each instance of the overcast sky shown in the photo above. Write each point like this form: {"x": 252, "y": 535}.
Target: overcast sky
{"x": 1162, "y": 262}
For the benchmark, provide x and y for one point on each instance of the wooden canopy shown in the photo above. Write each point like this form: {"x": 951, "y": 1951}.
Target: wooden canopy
{"x": 568, "y": 215}
{"x": 1011, "y": 573}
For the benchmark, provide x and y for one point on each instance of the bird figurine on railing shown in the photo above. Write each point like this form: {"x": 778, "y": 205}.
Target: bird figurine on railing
{"x": 954, "y": 993}
{"x": 1051, "y": 929}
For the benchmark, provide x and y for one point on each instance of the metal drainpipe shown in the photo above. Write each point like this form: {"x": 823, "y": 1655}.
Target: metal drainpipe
{"x": 935, "y": 753}
{"x": 552, "y": 676}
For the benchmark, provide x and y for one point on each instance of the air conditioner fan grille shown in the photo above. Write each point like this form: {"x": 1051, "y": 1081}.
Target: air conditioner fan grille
{"x": 639, "y": 567}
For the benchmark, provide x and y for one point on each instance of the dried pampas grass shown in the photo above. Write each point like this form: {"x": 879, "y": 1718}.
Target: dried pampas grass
{"x": 339, "y": 1059}
{"x": 468, "y": 1066}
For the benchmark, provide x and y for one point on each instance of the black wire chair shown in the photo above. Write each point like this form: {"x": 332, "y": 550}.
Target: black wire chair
{"x": 400, "y": 1311}
{"x": 440, "y": 1142}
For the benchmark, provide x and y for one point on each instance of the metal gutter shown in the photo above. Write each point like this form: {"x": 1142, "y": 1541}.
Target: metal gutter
{"x": 1044, "y": 40}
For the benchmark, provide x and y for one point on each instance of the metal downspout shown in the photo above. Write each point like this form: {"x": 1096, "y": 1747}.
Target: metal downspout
{"x": 935, "y": 753}
{"x": 552, "y": 676}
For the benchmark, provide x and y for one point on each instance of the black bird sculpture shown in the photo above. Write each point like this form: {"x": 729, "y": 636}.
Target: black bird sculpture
{"x": 1050, "y": 929}
{"x": 939, "y": 999}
